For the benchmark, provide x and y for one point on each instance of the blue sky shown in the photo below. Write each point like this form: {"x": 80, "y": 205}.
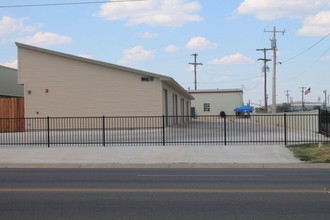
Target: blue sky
{"x": 160, "y": 35}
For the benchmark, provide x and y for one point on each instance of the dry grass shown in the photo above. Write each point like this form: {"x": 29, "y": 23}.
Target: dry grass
{"x": 314, "y": 153}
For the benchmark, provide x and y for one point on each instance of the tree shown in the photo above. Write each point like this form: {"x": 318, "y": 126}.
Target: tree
{"x": 285, "y": 107}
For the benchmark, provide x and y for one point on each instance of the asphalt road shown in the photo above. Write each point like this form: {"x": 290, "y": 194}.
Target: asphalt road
{"x": 164, "y": 194}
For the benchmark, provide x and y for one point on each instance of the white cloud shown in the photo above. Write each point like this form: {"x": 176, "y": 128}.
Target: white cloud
{"x": 170, "y": 13}
{"x": 200, "y": 43}
{"x": 16, "y": 30}
{"x": 11, "y": 64}
{"x": 135, "y": 54}
{"x": 149, "y": 35}
{"x": 9, "y": 25}
{"x": 317, "y": 25}
{"x": 171, "y": 48}
{"x": 270, "y": 9}
{"x": 46, "y": 39}
{"x": 12, "y": 28}
{"x": 232, "y": 59}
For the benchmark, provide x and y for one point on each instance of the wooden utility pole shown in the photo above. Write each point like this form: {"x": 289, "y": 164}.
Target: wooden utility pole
{"x": 195, "y": 65}
{"x": 265, "y": 74}
{"x": 325, "y": 98}
{"x": 287, "y": 96}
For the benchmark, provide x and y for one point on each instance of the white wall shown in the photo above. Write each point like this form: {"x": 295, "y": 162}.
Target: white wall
{"x": 219, "y": 101}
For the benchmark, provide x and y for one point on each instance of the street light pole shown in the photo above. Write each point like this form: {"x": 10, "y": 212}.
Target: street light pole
{"x": 274, "y": 47}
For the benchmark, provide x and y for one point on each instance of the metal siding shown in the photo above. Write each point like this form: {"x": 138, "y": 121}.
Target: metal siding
{"x": 77, "y": 88}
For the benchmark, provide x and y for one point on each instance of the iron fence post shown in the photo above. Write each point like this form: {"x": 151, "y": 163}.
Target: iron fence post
{"x": 103, "y": 130}
{"x": 285, "y": 140}
{"x": 225, "y": 129}
{"x": 326, "y": 123}
{"x": 319, "y": 119}
{"x": 48, "y": 132}
{"x": 163, "y": 130}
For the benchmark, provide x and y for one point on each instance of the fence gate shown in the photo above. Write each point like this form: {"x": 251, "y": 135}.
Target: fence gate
{"x": 324, "y": 122}
{"x": 11, "y": 108}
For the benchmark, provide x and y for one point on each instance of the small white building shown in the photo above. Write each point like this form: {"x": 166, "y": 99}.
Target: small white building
{"x": 308, "y": 106}
{"x": 63, "y": 85}
{"x": 212, "y": 102}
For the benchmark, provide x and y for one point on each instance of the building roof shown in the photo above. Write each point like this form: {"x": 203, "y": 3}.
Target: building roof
{"x": 165, "y": 79}
{"x": 9, "y": 86}
{"x": 210, "y": 91}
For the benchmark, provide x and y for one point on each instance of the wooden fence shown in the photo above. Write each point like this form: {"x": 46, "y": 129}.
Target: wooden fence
{"x": 11, "y": 107}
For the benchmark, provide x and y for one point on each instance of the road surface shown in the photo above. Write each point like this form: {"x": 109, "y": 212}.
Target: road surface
{"x": 164, "y": 194}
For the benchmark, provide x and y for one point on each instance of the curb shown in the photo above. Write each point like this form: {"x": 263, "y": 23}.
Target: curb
{"x": 169, "y": 165}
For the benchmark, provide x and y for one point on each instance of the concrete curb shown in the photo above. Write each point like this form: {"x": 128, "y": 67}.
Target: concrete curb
{"x": 169, "y": 165}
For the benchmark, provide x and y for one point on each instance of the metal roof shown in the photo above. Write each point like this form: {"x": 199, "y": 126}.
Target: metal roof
{"x": 208, "y": 91}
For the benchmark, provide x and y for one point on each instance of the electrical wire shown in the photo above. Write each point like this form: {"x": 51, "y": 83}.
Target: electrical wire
{"x": 67, "y": 3}
{"x": 230, "y": 81}
{"x": 254, "y": 85}
{"x": 316, "y": 61}
{"x": 306, "y": 49}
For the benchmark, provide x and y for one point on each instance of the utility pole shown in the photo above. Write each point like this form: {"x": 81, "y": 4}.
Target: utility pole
{"x": 325, "y": 98}
{"x": 195, "y": 65}
{"x": 265, "y": 74}
{"x": 287, "y": 96}
{"x": 274, "y": 48}
{"x": 302, "y": 97}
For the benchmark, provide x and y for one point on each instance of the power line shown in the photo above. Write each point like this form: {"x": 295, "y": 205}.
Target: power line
{"x": 253, "y": 86}
{"x": 307, "y": 68}
{"x": 306, "y": 49}
{"x": 67, "y": 3}
{"x": 230, "y": 81}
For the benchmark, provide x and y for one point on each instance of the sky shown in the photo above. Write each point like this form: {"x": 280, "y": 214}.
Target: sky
{"x": 160, "y": 36}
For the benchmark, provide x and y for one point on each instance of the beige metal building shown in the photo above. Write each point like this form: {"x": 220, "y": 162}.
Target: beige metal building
{"x": 212, "y": 102}
{"x": 59, "y": 84}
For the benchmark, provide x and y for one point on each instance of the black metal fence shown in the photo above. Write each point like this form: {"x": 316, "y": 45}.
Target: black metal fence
{"x": 107, "y": 131}
{"x": 324, "y": 122}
